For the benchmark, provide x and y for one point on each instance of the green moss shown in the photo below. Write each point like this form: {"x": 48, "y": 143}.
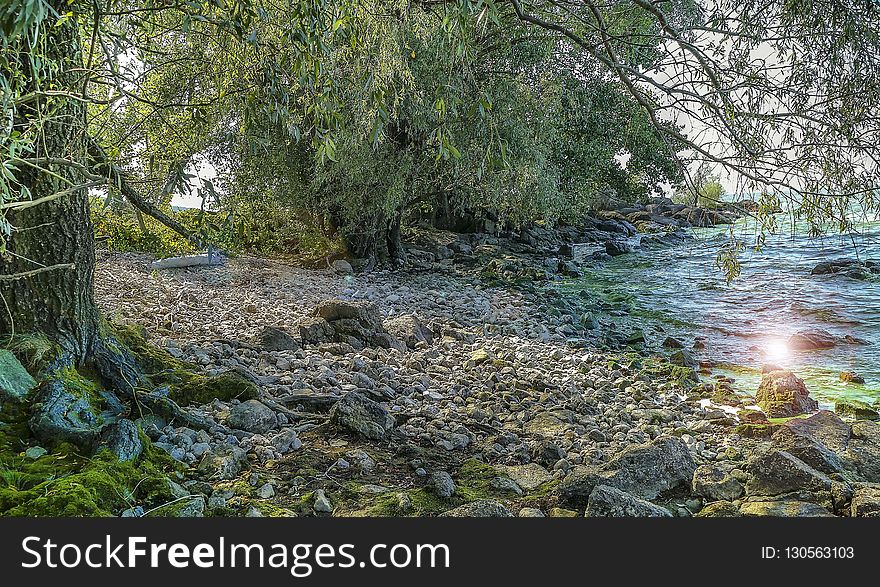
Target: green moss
{"x": 66, "y": 484}
{"x": 35, "y": 351}
{"x": 185, "y": 385}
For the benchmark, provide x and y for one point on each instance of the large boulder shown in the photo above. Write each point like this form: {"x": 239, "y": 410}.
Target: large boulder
{"x": 361, "y": 415}
{"x": 609, "y": 502}
{"x": 820, "y": 441}
{"x": 645, "y": 471}
{"x": 778, "y": 472}
{"x": 783, "y": 394}
{"x": 863, "y": 450}
{"x": 810, "y": 340}
{"x": 482, "y": 508}
{"x": 618, "y": 247}
{"x": 252, "y": 416}
{"x": 15, "y": 382}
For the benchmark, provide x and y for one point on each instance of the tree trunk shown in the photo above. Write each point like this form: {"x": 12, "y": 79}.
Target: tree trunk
{"x": 392, "y": 240}
{"x": 59, "y": 302}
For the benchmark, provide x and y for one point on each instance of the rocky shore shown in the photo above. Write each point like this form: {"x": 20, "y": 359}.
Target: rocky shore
{"x": 460, "y": 385}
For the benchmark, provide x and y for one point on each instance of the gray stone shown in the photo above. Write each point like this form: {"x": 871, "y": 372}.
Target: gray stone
{"x": 866, "y": 502}
{"x": 530, "y": 513}
{"x": 482, "y": 508}
{"x": 610, "y": 502}
{"x": 410, "y": 330}
{"x": 779, "y": 472}
{"x": 342, "y": 267}
{"x": 716, "y": 485}
{"x": 15, "y": 382}
{"x": 193, "y": 507}
{"x": 286, "y": 441}
{"x": 506, "y": 485}
{"x": 441, "y": 484}
{"x": 361, "y": 415}
{"x": 252, "y": 416}
{"x": 529, "y": 476}
{"x": 784, "y": 508}
{"x": 322, "y": 503}
{"x": 266, "y": 491}
{"x": 222, "y": 463}
{"x": 272, "y": 338}
{"x": 361, "y": 461}
{"x": 645, "y": 471}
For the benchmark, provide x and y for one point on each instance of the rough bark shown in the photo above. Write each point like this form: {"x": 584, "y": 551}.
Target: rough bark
{"x": 59, "y": 302}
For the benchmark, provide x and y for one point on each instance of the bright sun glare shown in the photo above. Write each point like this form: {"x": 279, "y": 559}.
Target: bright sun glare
{"x": 776, "y": 350}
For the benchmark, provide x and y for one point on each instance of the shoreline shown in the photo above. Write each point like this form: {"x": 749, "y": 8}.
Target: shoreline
{"x": 501, "y": 405}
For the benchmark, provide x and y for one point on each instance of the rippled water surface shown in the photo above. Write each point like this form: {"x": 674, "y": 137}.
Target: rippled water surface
{"x": 746, "y": 323}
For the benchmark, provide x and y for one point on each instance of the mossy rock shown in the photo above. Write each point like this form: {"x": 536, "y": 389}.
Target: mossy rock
{"x": 856, "y": 409}
{"x": 15, "y": 381}
{"x": 719, "y": 509}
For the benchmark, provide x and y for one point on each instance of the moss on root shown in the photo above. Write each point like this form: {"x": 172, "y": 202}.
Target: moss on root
{"x": 185, "y": 385}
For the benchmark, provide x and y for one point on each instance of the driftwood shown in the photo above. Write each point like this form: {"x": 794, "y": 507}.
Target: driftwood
{"x": 188, "y": 261}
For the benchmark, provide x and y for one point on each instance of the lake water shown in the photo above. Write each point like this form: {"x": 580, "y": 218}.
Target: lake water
{"x": 679, "y": 291}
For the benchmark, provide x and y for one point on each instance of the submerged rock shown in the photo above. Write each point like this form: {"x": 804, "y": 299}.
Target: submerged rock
{"x": 809, "y": 340}
{"x": 609, "y": 502}
{"x": 363, "y": 416}
{"x": 783, "y": 394}
{"x": 850, "y": 377}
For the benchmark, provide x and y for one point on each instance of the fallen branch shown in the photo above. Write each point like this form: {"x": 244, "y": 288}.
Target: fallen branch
{"x": 104, "y": 166}
{"x": 31, "y": 273}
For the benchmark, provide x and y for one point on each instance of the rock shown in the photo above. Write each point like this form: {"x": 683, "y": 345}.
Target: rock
{"x": 286, "y": 441}
{"x": 410, "y": 330}
{"x": 441, "y": 484}
{"x": 506, "y": 485}
{"x": 222, "y": 463}
{"x": 562, "y": 513}
{"x": 123, "y": 439}
{"x": 850, "y": 377}
{"x": 863, "y": 450}
{"x": 342, "y": 267}
{"x": 672, "y": 343}
{"x": 856, "y": 409}
{"x": 779, "y": 472}
{"x": 616, "y": 248}
{"x": 719, "y": 509}
{"x": 482, "y": 508}
{"x": 530, "y": 513}
{"x": 361, "y": 415}
{"x": 609, "y": 502}
{"x": 866, "y": 502}
{"x": 529, "y": 476}
{"x": 716, "y": 485}
{"x": 322, "y": 504}
{"x": 313, "y": 330}
{"x": 252, "y": 416}
{"x": 645, "y": 471}
{"x": 193, "y": 507}
{"x": 361, "y": 461}
{"x": 810, "y": 340}
{"x": 266, "y": 491}
{"x": 365, "y": 313}
{"x": 15, "y": 382}
{"x": 62, "y": 416}
{"x": 784, "y": 508}
{"x": 820, "y": 441}
{"x": 782, "y": 394}
{"x": 35, "y": 452}
{"x": 683, "y": 358}
{"x": 276, "y": 339}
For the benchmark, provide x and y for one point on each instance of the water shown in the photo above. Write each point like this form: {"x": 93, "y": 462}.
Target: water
{"x": 679, "y": 291}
